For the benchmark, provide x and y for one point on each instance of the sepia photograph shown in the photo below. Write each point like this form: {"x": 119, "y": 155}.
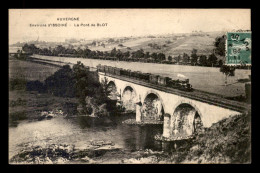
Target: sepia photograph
{"x": 129, "y": 86}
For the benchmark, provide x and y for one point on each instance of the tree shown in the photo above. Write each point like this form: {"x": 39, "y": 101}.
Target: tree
{"x": 113, "y": 52}
{"x": 194, "y": 56}
{"x": 220, "y": 63}
{"x": 138, "y": 54}
{"x": 194, "y": 51}
{"x": 92, "y": 54}
{"x": 228, "y": 71}
{"x": 30, "y": 48}
{"x": 212, "y": 60}
{"x": 177, "y": 58}
{"x": 161, "y": 57}
{"x": 80, "y": 52}
{"x": 185, "y": 58}
{"x": 126, "y": 54}
{"x": 46, "y": 51}
{"x": 87, "y": 84}
{"x": 86, "y": 53}
{"x": 203, "y": 60}
{"x": 105, "y": 86}
{"x": 154, "y": 56}
{"x": 59, "y": 50}
{"x": 106, "y": 54}
{"x": 147, "y": 55}
{"x": 119, "y": 55}
{"x": 61, "y": 83}
{"x": 80, "y": 74}
{"x": 169, "y": 58}
{"x": 220, "y": 43}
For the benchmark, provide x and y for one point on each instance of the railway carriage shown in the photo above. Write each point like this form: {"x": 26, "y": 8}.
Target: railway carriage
{"x": 123, "y": 72}
{"x": 153, "y": 79}
{"x": 102, "y": 68}
{"x": 128, "y": 73}
{"x": 163, "y": 80}
{"x": 111, "y": 70}
{"x": 117, "y": 71}
{"x": 145, "y": 76}
{"x": 138, "y": 75}
{"x": 106, "y": 69}
{"x": 132, "y": 73}
{"x": 99, "y": 67}
{"x": 183, "y": 85}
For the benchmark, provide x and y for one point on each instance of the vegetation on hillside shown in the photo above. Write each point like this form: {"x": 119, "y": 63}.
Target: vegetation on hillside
{"x": 116, "y": 54}
{"x": 134, "y": 55}
{"x": 161, "y": 50}
{"x": 227, "y": 141}
{"x": 77, "y": 82}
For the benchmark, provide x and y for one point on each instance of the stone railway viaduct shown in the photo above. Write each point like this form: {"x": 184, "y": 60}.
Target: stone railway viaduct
{"x": 209, "y": 107}
{"x": 210, "y": 111}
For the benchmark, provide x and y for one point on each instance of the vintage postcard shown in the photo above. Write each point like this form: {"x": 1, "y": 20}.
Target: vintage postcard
{"x": 129, "y": 86}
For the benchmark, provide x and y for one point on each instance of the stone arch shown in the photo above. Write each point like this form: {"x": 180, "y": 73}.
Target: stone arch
{"x": 187, "y": 102}
{"x": 112, "y": 88}
{"x": 185, "y": 119}
{"x": 156, "y": 93}
{"x": 153, "y": 106}
{"x": 129, "y": 97}
{"x": 111, "y": 81}
{"x": 129, "y": 85}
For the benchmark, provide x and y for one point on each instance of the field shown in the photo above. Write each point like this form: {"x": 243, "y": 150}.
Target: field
{"x": 29, "y": 71}
{"x": 29, "y": 104}
{"x": 172, "y": 44}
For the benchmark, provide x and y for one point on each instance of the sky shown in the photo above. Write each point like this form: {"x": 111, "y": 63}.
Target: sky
{"x": 121, "y": 22}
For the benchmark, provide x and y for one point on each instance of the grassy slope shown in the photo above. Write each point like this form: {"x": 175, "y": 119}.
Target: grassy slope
{"x": 228, "y": 141}
{"x": 28, "y": 104}
{"x": 29, "y": 70}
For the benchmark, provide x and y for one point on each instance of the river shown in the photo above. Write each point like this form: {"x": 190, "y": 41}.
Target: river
{"x": 80, "y": 133}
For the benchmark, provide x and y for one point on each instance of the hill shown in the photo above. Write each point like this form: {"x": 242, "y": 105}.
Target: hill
{"x": 171, "y": 44}
{"x": 228, "y": 141}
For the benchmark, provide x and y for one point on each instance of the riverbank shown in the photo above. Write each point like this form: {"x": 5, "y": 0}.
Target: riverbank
{"x": 227, "y": 141}
{"x": 32, "y": 106}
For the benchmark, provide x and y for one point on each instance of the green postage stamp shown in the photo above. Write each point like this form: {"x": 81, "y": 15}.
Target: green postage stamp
{"x": 238, "y": 48}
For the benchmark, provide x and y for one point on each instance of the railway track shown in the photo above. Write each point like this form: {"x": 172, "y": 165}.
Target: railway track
{"x": 210, "y": 98}
{"x": 196, "y": 95}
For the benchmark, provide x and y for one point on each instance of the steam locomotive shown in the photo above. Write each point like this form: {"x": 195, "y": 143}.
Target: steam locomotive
{"x": 183, "y": 85}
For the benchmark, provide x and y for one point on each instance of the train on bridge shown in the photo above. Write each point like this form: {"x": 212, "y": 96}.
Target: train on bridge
{"x": 183, "y": 85}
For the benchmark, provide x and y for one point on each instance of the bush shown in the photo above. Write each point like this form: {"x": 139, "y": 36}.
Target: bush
{"x": 61, "y": 83}
{"x": 87, "y": 84}
{"x": 35, "y": 86}
{"x": 18, "y": 102}
{"x": 18, "y": 116}
{"x": 17, "y": 84}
